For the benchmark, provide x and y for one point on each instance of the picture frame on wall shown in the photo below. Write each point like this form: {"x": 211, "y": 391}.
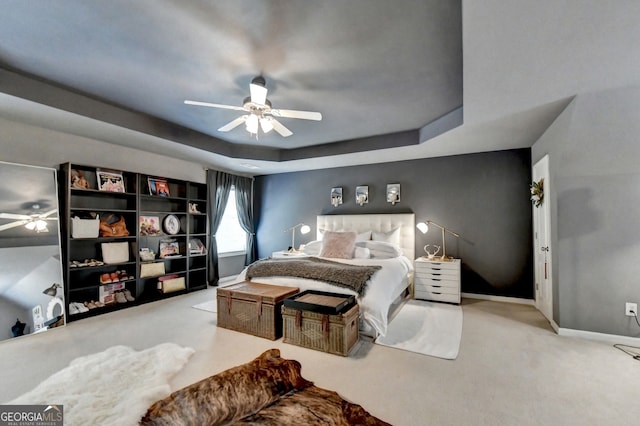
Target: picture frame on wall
{"x": 110, "y": 181}
{"x": 159, "y": 187}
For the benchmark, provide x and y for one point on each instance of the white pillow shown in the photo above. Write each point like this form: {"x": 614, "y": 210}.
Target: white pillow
{"x": 363, "y": 236}
{"x": 392, "y": 236}
{"x": 338, "y": 245}
{"x": 313, "y": 248}
{"x": 361, "y": 253}
{"x": 380, "y": 249}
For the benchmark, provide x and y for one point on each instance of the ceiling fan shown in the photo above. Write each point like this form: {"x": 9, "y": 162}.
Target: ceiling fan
{"x": 33, "y": 222}
{"x": 259, "y": 112}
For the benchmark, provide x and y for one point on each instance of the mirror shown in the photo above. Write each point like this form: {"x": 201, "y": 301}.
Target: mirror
{"x": 31, "y": 290}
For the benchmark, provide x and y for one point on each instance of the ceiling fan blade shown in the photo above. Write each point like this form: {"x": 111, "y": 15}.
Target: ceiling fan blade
{"x": 14, "y": 216}
{"x": 233, "y": 124}
{"x": 208, "y": 104}
{"x": 258, "y": 91}
{"x": 278, "y": 127}
{"x": 289, "y": 113}
{"x": 50, "y": 212}
{"x": 13, "y": 225}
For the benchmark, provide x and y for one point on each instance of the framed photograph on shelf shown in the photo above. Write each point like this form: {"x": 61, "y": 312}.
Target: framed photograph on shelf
{"x": 169, "y": 248}
{"x": 110, "y": 181}
{"x": 149, "y": 225}
{"x": 158, "y": 187}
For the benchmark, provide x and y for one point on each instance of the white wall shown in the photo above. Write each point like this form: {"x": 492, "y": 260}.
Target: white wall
{"x": 594, "y": 154}
{"x": 26, "y": 144}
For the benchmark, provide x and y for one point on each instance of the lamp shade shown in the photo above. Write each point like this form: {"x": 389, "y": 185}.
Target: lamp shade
{"x": 423, "y": 227}
{"x": 252, "y": 124}
{"x": 266, "y": 125}
{"x": 305, "y": 229}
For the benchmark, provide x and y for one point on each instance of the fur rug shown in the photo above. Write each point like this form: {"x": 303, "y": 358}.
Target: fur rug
{"x": 115, "y": 386}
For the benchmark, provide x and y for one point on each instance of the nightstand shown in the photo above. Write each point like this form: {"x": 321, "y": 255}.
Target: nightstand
{"x": 283, "y": 253}
{"x": 437, "y": 280}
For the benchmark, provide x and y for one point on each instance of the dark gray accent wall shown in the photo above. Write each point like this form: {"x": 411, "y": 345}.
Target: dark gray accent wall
{"x": 484, "y": 197}
{"x": 593, "y": 190}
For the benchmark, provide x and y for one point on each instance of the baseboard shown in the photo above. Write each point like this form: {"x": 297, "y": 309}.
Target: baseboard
{"x": 505, "y": 299}
{"x": 601, "y": 337}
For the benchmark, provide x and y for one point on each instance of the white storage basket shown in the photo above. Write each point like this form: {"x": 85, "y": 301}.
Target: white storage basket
{"x": 85, "y": 228}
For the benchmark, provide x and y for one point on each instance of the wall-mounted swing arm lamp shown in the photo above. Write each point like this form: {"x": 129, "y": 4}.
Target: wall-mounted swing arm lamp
{"x": 53, "y": 290}
{"x": 424, "y": 227}
{"x": 304, "y": 229}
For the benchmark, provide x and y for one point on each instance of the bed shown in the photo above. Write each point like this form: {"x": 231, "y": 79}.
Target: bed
{"x": 387, "y": 287}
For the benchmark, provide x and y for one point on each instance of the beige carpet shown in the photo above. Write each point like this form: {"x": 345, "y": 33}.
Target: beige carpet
{"x": 512, "y": 369}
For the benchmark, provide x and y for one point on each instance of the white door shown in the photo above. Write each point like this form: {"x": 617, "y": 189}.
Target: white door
{"x": 542, "y": 242}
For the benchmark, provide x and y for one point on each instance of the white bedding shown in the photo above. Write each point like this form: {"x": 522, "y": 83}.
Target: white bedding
{"x": 384, "y": 287}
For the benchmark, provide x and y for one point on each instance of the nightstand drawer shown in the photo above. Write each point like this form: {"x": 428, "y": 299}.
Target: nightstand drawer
{"x": 455, "y": 285}
{"x": 445, "y": 275}
{"x": 438, "y": 296}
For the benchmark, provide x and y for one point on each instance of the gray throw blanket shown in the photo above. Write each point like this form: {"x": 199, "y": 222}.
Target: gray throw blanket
{"x": 353, "y": 277}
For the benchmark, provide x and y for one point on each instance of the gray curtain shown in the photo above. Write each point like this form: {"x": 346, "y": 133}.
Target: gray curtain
{"x": 244, "y": 206}
{"x": 219, "y": 186}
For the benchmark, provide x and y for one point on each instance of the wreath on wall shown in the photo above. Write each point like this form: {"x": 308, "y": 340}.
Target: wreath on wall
{"x": 537, "y": 192}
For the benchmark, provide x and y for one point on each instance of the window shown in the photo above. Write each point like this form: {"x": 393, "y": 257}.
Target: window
{"x": 230, "y": 236}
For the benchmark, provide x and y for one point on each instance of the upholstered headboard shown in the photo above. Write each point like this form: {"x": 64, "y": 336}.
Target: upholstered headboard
{"x": 374, "y": 222}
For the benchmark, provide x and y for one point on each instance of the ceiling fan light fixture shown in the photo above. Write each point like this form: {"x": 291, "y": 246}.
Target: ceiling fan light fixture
{"x": 258, "y": 90}
{"x": 30, "y": 225}
{"x": 252, "y": 124}
{"x": 41, "y": 226}
{"x": 266, "y": 125}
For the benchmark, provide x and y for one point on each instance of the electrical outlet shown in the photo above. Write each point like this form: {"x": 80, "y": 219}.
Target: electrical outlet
{"x": 631, "y": 309}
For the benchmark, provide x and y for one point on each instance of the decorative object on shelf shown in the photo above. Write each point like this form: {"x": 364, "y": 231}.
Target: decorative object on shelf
{"x": 193, "y": 208}
{"x": 171, "y": 224}
{"x": 149, "y": 225}
{"x": 169, "y": 248}
{"x": 537, "y": 192}
{"x": 146, "y": 254}
{"x": 336, "y": 196}
{"x": 115, "y": 252}
{"x": 393, "y": 193}
{"x": 113, "y": 228}
{"x": 78, "y": 181}
{"x": 196, "y": 246}
{"x": 362, "y": 195}
{"x": 304, "y": 229}
{"x": 158, "y": 187}
{"x": 110, "y": 181}
{"x": 424, "y": 227}
{"x": 429, "y": 254}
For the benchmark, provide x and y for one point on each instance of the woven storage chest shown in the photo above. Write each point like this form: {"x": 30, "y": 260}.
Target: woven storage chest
{"x": 253, "y": 308}
{"x": 336, "y": 334}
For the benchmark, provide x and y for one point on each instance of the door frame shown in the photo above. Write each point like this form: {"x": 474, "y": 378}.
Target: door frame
{"x": 543, "y": 213}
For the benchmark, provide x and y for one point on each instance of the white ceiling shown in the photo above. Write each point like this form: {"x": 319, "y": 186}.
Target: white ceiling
{"x": 371, "y": 67}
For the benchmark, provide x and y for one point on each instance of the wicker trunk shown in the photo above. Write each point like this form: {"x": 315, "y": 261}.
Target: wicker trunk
{"x": 253, "y": 308}
{"x": 336, "y": 334}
